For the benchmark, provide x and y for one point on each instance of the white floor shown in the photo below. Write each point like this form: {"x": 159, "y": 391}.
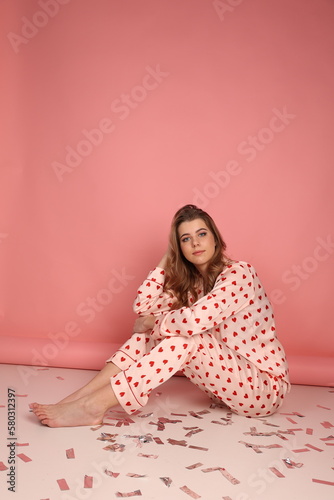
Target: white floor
{"x": 173, "y": 460}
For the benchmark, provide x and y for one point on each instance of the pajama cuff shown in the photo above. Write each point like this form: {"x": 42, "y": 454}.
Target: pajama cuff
{"x": 121, "y": 359}
{"x": 124, "y": 394}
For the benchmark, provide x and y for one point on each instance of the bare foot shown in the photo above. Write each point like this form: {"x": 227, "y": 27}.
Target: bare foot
{"x": 88, "y": 410}
{"x": 71, "y": 414}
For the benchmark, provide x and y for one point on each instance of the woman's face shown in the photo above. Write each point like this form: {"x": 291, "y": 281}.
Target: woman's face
{"x": 197, "y": 243}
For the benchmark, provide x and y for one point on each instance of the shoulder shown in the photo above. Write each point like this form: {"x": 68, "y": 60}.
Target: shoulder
{"x": 239, "y": 269}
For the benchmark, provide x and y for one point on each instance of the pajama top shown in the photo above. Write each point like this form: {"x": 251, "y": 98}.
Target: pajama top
{"x": 237, "y": 312}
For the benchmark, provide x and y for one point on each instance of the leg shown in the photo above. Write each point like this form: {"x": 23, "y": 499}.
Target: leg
{"x": 100, "y": 380}
{"x": 88, "y": 410}
{"x": 224, "y": 374}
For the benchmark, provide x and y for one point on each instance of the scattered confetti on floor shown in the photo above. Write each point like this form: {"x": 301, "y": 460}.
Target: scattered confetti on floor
{"x": 181, "y": 445}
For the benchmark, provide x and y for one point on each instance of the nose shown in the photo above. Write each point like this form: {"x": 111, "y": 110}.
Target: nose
{"x": 195, "y": 242}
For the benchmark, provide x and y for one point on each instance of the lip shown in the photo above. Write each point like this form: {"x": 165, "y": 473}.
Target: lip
{"x": 199, "y": 252}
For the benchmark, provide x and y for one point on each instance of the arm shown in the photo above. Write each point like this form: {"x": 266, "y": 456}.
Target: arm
{"x": 233, "y": 290}
{"x": 151, "y": 299}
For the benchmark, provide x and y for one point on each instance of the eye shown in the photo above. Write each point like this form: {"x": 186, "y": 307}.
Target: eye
{"x": 185, "y": 239}
{"x": 202, "y": 234}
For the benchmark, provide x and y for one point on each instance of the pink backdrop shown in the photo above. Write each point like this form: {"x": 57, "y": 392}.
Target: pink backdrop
{"x": 116, "y": 113}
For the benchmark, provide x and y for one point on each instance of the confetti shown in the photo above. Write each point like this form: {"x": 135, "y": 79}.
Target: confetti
{"x": 22, "y": 444}
{"x": 291, "y": 420}
{"x": 309, "y": 431}
{"x": 176, "y": 442}
{"x": 193, "y": 414}
{"x": 167, "y": 481}
{"x": 193, "y": 431}
{"x": 313, "y": 447}
{"x": 290, "y": 464}
{"x": 24, "y": 457}
{"x": 191, "y": 493}
{"x": 111, "y": 474}
{"x": 158, "y": 440}
{"x": 60, "y": 378}
{"x": 88, "y": 482}
{"x": 276, "y": 472}
{"x": 194, "y": 466}
{"x": 323, "y": 407}
{"x": 133, "y": 474}
{"x": 136, "y": 493}
{"x": 70, "y": 453}
{"x": 301, "y": 450}
{"x": 115, "y": 447}
{"x": 329, "y": 483}
{"x": 198, "y": 448}
{"x": 62, "y": 484}
{"x": 105, "y": 436}
{"x": 228, "y": 476}
{"x": 147, "y": 456}
{"x": 211, "y": 469}
{"x": 327, "y": 425}
{"x": 2, "y": 466}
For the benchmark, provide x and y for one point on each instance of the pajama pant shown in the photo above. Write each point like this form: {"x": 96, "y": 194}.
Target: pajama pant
{"x": 205, "y": 361}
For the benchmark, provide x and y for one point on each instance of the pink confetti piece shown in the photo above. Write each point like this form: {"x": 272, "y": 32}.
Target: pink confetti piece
{"x": 88, "y": 482}
{"x": 21, "y": 395}
{"x": 70, "y": 453}
{"x": 111, "y": 474}
{"x": 2, "y": 466}
{"x": 2, "y": 406}
{"x": 327, "y": 438}
{"x": 158, "y": 440}
{"x": 176, "y": 442}
{"x": 137, "y": 476}
{"x": 211, "y": 469}
{"x": 192, "y": 432}
{"x": 321, "y": 481}
{"x": 323, "y": 407}
{"x": 313, "y": 447}
{"x": 301, "y": 450}
{"x": 144, "y": 455}
{"x": 60, "y": 378}
{"x": 194, "y": 414}
{"x": 327, "y": 425}
{"x": 229, "y": 476}
{"x": 194, "y": 466}
{"x": 198, "y": 448}
{"x": 329, "y": 444}
{"x": 22, "y": 444}
{"x": 309, "y": 431}
{"x": 189, "y": 492}
{"x": 276, "y": 472}
{"x": 62, "y": 484}
{"x": 179, "y": 414}
{"x": 24, "y": 457}
{"x": 291, "y": 420}
{"x": 136, "y": 493}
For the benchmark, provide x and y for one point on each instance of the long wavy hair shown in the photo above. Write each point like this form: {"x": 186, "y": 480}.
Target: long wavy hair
{"x": 182, "y": 277}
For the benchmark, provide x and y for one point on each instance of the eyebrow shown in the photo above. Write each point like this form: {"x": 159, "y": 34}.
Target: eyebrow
{"x": 188, "y": 234}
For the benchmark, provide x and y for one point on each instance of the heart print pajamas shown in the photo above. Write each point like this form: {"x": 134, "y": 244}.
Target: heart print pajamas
{"x": 225, "y": 343}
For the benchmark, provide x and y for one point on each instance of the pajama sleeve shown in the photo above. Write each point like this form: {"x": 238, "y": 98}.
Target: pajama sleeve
{"x": 233, "y": 290}
{"x": 151, "y": 299}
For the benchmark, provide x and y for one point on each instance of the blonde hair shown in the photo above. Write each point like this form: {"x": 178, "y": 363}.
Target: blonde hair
{"x": 182, "y": 277}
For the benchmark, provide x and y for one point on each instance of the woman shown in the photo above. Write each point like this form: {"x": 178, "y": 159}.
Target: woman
{"x": 199, "y": 313}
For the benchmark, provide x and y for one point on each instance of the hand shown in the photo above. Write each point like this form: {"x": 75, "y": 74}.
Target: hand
{"x": 143, "y": 324}
{"x": 163, "y": 261}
